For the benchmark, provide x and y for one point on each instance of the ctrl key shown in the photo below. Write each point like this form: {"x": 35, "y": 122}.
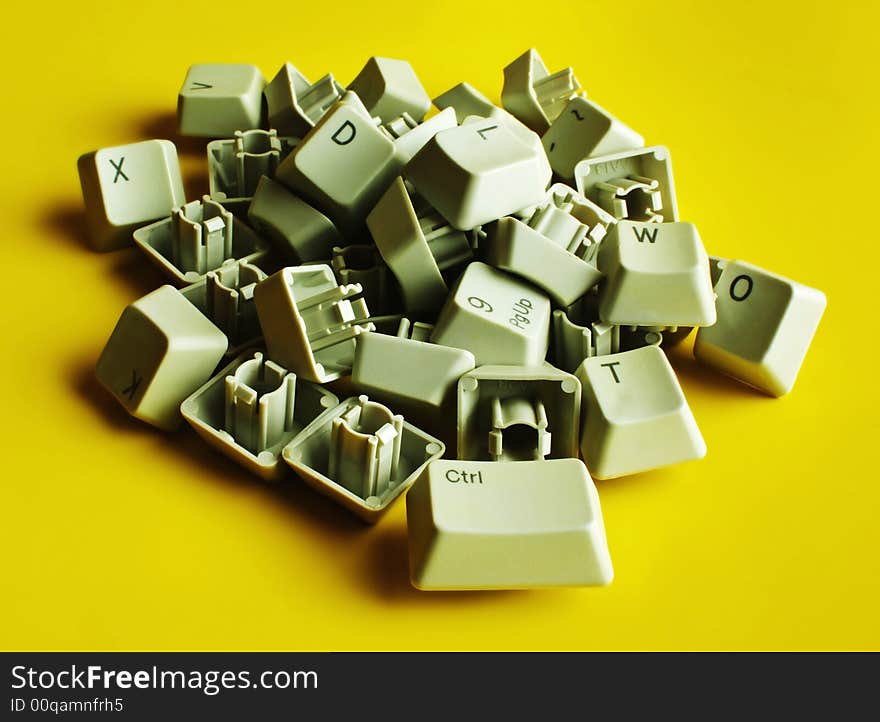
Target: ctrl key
{"x": 506, "y": 525}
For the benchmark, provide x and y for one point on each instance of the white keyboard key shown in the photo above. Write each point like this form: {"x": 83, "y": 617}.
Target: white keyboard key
{"x": 343, "y": 165}
{"x": 405, "y": 371}
{"x": 217, "y": 99}
{"x": 310, "y": 323}
{"x": 390, "y": 87}
{"x": 765, "y": 326}
{"x": 635, "y": 415}
{"x": 506, "y": 525}
{"x": 498, "y": 318}
{"x": 161, "y": 350}
{"x": 584, "y": 129}
{"x": 126, "y": 186}
{"x": 294, "y": 104}
{"x": 657, "y": 275}
{"x": 478, "y": 172}
{"x": 532, "y": 94}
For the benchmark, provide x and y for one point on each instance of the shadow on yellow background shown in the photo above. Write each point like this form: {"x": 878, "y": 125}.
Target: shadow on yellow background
{"x": 116, "y": 536}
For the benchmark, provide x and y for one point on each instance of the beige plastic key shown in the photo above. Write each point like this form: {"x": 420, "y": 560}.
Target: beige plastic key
{"x": 343, "y": 165}
{"x": 506, "y": 525}
{"x": 518, "y": 413}
{"x": 236, "y": 165}
{"x": 495, "y": 316}
{"x": 404, "y": 370}
{"x": 226, "y": 297}
{"x": 479, "y": 172}
{"x": 362, "y": 455}
{"x": 532, "y": 94}
{"x": 127, "y": 186}
{"x": 161, "y": 350}
{"x": 311, "y": 324}
{"x": 635, "y": 185}
{"x": 217, "y": 99}
{"x": 585, "y": 129}
{"x": 294, "y": 104}
{"x": 389, "y": 88}
{"x": 252, "y": 409}
{"x": 416, "y": 248}
{"x": 409, "y": 137}
{"x": 577, "y": 334}
{"x": 635, "y": 416}
{"x": 765, "y": 326}
{"x": 296, "y": 229}
{"x": 362, "y": 263}
{"x": 657, "y": 275}
{"x": 549, "y": 251}
{"x": 198, "y": 237}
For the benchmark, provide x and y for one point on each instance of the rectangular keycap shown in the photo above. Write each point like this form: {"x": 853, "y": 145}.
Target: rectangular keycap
{"x": 506, "y": 525}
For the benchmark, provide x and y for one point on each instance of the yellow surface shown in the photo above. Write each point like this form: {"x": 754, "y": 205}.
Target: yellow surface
{"x": 116, "y": 536}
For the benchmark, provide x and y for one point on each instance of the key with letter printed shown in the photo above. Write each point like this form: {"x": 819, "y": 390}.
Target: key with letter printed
{"x": 498, "y": 318}
{"x": 635, "y": 415}
{"x": 765, "y": 326}
{"x": 657, "y": 275}
{"x": 127, "y": 186}
{"x": 161, "y": 350}
{"x": 343, "y": 166}
{"x": 217, "y": 99}
{"x": 506, "y": 525}
{"x": 478, "y": 172}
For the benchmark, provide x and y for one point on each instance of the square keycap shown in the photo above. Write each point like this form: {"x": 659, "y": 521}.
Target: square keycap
{"x": 161, "y": 350}
{"x": 343, "y": 166}
{"x": 765, "y": 326}
{"x": 635, "y": 415}
{"x": 657, "y": 275}
{"x": 498, "y": 318}
{"x": 217, "y": 99}
{"x": 126, "y": 186}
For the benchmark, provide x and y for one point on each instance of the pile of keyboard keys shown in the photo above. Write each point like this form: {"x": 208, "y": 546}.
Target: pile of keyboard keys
{"x": 472, "y": 306}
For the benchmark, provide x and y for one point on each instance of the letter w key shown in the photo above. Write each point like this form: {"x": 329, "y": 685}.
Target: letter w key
{"x": 644, "y": 233}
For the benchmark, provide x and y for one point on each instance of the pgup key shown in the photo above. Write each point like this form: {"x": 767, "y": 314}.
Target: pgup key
{"x": 479, "y": 172}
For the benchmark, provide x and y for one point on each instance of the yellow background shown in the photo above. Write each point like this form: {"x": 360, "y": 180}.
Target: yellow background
{"x": 116, "y": 536}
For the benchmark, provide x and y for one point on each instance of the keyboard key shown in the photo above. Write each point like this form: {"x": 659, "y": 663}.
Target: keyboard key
{"x": 343, "y": 166}
{"x": 582, "y": 130}
{"x": 405, "y": 371}
{"x": 417, "y": 247}
{"x": 252, "y": 409}
{"x": 634, "y": 185}
{"x": 635, "y": 414}
{"x": 518, "y": 413}
{"x": 532, "y": 94}
{"x": 657, "y": 275}
{"x": 125, "y": 187}
{"x": 217, "y": 99}
{"x": 300, "y": 232}
{"x": 498, "y": 318}
{"x": 236, "y": 165}
{"x": 310, "y": 323}
{"x": 764, "y": 328}
{"x": 506, "y": 525}
{"x": 294, "y": 104}
{"x": 161, "y": 350}
{"x": 478, "y": 172}
{"x": 198, "y": 237}
{"x": 410, "y": 137}
{"x": 362, "y": 455}
{"x": 390, "y": 87}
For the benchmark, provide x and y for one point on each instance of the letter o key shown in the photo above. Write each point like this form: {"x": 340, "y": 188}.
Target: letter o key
{"x": 749, "y": 285}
